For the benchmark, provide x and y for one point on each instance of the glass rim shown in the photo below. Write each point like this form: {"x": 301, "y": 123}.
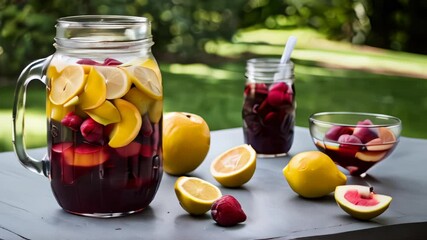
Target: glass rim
{"x": 103, "y": 20}
{"x": 394, "y": 121}
{"x": 265, "y": 61}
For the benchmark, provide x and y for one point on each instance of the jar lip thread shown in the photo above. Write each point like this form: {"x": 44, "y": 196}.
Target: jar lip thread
{"x": 102, "y": 31}
{"x": 268, "y": 70}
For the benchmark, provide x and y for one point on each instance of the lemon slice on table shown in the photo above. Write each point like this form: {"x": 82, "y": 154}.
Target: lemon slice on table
{"x": 68, "y": 84}
{"x": 196, "y": 195}
{"x": 234, "y": 167}
{"x": 145, "y": 80}
{"x": 128, "y": 128}
{"x": 117, "y": 82}
{"x": 94, "y": 92}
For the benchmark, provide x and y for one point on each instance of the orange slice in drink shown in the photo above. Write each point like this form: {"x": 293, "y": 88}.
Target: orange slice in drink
{"x": 117, "y": 82}
{"x": 145, "y": 80}
{"x": 128, "y": 128}
{"x": 234, "y": 167}
{"x": 68, "y": 84}
{"x": 386, "y": 135}
{"x": 196, "y": 195}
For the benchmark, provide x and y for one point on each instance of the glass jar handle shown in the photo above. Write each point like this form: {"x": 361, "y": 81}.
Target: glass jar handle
{"x": 34, "y": 71}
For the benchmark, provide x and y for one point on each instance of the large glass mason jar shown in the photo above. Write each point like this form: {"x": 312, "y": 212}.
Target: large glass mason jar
{"x": 269, "y": 106}
{"x": 104, "y": 104}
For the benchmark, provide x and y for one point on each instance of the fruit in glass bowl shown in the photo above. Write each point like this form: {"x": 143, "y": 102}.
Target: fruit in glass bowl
{"x": 355, "y": 141}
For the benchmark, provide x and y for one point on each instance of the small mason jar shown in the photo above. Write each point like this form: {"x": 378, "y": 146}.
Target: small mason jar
{"x": 104, "y": 104}
{"x": 269, "y": 106}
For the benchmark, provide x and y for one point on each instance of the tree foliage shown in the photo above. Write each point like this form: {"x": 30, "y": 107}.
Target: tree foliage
{"x": 182, "y": 27}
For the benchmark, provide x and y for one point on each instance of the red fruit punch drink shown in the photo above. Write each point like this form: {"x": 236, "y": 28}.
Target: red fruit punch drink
{"x": 269, "y": 106}
{"x": 105, "y": 114}
{"x": 104, "y": 111}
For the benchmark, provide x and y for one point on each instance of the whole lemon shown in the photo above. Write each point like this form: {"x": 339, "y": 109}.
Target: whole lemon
{"x": 313, "y": 174}
{"x": 186, "y": 141}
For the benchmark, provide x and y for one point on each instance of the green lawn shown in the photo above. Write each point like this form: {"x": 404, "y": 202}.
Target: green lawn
{"x": 330, "y": 76}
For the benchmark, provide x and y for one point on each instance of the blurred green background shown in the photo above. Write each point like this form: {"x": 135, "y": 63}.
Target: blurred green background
{"x": 358, "y": 55}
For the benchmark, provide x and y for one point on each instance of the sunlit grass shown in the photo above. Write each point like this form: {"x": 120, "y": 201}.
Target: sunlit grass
{"x": 330, "y": 76}
{"x": 35, "y": 129}
{"x": 312, "y": 46}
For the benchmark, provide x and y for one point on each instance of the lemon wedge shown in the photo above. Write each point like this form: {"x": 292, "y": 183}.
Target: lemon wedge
{"x": 57, "y": 112}
{"x": 117, "y": 82}
{"x": 105, "y": 114}
{"x": 128, "y": 128}
{"x": 73, "y": 101}
{"x": 139, "y": 99}
{"x": 196, "y": 195}
{"x": 95, "y": 91}
{"x": 52, "y": 72}
{"x": 155, "y": 111}
{"x": 152, "y": 64}
{"x": 234, "y": 167}
{"x": 145, "y": 80}
{"x": 68, "y": 84}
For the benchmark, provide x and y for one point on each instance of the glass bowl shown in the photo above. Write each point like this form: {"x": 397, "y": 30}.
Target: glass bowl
{"x": 355, "y": 141}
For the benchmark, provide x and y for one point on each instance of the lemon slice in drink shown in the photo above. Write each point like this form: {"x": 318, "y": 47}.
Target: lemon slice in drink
{"x": 128, "y": 128}
{"x": 95, "y": 91}
{"x": 234, "y": 167}
{"x": 118, "y": 84}
{"x": 196, "y": 195}
{"x": 68, "y": 84}
{"x": 145, "y": 80}
{"x": 105, "y": 114}
{"x": 152, "y": 64}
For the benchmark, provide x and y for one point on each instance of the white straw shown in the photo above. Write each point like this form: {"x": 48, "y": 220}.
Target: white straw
{"x": 290, "y": 44}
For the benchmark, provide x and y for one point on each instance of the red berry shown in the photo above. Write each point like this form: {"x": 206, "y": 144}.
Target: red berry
{"x": 227, "y": 211}
{"x": 278, "y": 95}
{"x": 72, "y": 121}
{"x": 111, "y": 62}
{"x": 91, "y": 130}
{"x": 87, "y": 61}
{"x": 336, "y": 131}
{"x": 347, "y": 138}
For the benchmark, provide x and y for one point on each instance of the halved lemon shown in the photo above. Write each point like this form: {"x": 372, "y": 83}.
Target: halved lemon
{"x": 68, "y": 84}
{"x": 234, "y": 167}
{"x": 196, "y": 195}
{"x": 145, "y": 80}
{"x": 118, "y": 84}
{"x": 128, "y": 128}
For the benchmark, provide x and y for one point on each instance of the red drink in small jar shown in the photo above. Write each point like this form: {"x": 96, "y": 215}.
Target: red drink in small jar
{"x": 269, "y": 108}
